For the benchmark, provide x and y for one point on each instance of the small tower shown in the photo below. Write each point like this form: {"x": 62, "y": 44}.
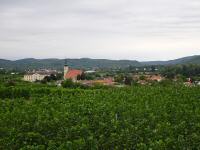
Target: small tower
{"x": 66, "y": 68}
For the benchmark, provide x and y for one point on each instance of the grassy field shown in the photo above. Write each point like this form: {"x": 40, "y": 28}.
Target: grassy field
{"x": 143, "y": 117}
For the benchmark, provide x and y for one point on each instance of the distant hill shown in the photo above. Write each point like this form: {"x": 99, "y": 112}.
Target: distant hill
{"x": 84, "y": 63}
{"x": 184, "y": 60}
{"x": 87, "y": 63}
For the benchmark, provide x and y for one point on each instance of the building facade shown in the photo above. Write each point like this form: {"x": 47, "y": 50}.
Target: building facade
{"x": 38, "y": 75}
{"x": 32, "y": 77}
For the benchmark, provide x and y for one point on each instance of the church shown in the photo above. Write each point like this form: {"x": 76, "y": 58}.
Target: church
{"x": 70, "y": 73}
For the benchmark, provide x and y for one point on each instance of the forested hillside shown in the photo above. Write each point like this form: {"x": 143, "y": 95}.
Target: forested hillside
{"x": 83, "y": 63}
{"x": 184, "y": 60}
{"x": 86, "y": 63}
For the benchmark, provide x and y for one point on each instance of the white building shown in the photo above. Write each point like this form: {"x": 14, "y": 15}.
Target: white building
{"x": 37, "y": 76}
{"x": 32, "y": 77}
{"x": 90, "y": 71}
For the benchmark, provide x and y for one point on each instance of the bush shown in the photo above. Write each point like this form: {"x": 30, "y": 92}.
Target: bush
{"x": 70, "y": 84}
{"x": 10, "y": 83}
{"x": 166, "y": 82}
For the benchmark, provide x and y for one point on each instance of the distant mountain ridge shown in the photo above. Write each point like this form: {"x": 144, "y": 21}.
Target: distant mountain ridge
{"x": 184, "y": 60}
{"x": 87, "y": 63}
{"x": 83, "y": 63}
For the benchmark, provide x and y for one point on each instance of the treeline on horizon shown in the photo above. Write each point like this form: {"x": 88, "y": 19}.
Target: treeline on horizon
{"x": 86, "y": 63}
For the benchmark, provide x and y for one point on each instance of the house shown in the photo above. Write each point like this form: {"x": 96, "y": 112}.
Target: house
{"x": 189, "y": 84}
{"x": 157, "y": 78}
{"x": 71, "y": 73}
{"x": 153, "y": 77}
{"x": 90, "y": 71}
{"x": 197, "y": 83}
{"x": 105, "y": 81}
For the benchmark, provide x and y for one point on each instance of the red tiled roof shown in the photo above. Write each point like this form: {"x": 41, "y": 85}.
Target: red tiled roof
{"x": 154, "y": 77}
{"x": 107, "y": 81}
{"x": 73, "y": 74}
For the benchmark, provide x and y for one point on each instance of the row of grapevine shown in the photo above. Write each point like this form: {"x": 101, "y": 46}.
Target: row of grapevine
{"x": 140, "y": 117}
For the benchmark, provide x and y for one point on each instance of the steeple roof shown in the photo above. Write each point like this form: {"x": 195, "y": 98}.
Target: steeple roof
{"x": 65, "y": 63}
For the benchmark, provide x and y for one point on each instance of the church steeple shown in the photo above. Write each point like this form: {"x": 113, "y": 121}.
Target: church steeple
{"x": 66, "y": 68}
{"x": 65, "y": 63}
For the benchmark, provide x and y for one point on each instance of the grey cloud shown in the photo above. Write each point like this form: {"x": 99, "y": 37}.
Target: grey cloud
{"x": 85, "y": 26}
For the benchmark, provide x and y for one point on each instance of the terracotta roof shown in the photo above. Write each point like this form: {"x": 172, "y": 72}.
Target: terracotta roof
{"x": 107, "y": 81}
{"x": 73, "y": 73}
{"x": 154, "y": 77}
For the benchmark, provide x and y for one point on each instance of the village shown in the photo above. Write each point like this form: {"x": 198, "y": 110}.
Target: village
{"x": 95, "y": 77}
{"x": 80, "y": 76}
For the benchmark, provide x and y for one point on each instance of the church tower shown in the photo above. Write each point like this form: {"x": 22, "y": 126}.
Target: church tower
{"x": 66, "y": 68}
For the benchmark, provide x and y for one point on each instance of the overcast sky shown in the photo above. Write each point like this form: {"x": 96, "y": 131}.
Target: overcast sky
{"x": 113, "y": 29}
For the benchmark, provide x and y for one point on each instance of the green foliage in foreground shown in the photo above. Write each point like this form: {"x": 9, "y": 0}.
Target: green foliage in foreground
{"x": 127, "y": 118}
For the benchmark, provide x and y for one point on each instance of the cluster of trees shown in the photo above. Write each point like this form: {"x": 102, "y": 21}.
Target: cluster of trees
{"x": 52, "y": 78}
{"x": 89, "y": 76}
{"x": 181, "y": 71}
{"x": 2, "y": 71}
{"x": 70, "y": 84}
{"x": 123, "y": 79}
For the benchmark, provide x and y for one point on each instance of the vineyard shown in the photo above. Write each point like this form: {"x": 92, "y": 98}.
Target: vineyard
{"x": 142, "y": 117}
